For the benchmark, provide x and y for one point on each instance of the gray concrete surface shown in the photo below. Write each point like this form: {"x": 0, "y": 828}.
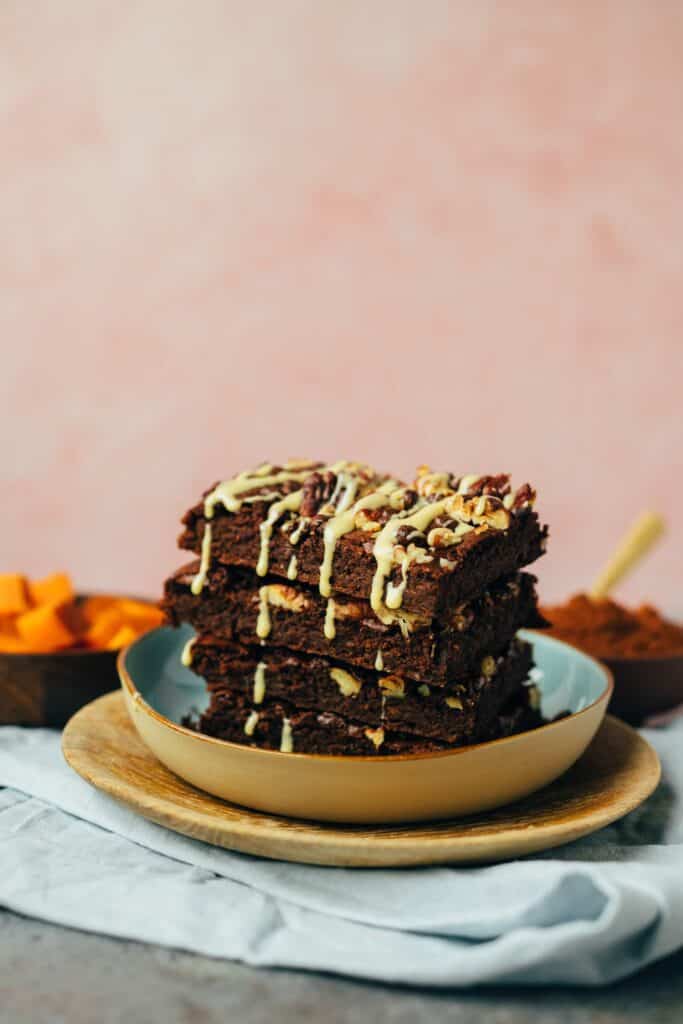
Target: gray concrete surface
{"x": 52, "y": 974}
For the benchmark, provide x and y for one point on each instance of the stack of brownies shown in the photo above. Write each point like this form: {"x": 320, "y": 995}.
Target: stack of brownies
{"x": 341, "y": 611}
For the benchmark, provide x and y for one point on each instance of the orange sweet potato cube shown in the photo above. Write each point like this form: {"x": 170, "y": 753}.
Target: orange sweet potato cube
{"x": 56, "y": 589}
{"x": 93, "y": 607}
{"x": 13, "y": 645}
{"x": 13, "y": 594}
{"x": 8, "y": 625}
{"x": 104, "y": 626}
{"x": 140, "y": 615}
{"x": 43, "y": 629}
{"x": 123, "y": 636}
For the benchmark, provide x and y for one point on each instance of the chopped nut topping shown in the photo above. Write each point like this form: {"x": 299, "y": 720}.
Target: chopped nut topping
{"x": 348, "y": 685}
{"x": 347, "y": 610}
{"x": 317, "y": 489}
{"x": 293, "y": 465}
{"x": 485, "y": 510}
{"x": 367, "y": 520}
{"x": 441, "y": 537}
{"x": 393, "y": 686}
{"x": 430, "y": 485}
{"x": 525, "y": 497}
{"x": 418, "y": 555}
{"x": 279, "y": 595}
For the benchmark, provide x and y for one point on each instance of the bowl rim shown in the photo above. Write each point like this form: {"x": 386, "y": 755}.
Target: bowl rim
{"x": 128, "y": 685}
{"x": 80, "y": 652}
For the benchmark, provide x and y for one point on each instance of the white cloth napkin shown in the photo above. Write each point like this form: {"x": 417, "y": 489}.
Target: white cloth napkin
{"x": 586, "y": 914}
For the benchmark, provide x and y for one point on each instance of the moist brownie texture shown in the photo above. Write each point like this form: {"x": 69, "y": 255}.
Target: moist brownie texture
{"x": 340, "y": 610}
{"x": 449, "y": 714}
{"x": 278, "y": 725}
{"x": 432, "y": 651}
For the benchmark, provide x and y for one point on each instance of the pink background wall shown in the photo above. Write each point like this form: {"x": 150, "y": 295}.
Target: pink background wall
{"x": 406, "y": 232}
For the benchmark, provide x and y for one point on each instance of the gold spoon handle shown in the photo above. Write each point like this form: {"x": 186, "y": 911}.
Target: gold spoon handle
{"x": 646, "y": 530}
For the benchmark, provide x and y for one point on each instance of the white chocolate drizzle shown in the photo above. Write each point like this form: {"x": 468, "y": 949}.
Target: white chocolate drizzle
{"x": 260, "y": 682}
{"x": 295, "y": 535}
{"x": 263, "y": 620}
{"x": 229, "y": 492}
{"x": 250, "y": 723}
{"x": 348, "y": 685}
{"x": 329, "y": 628}
{"x": 290, "y": 503}
{"x": 344, "y": 521}
{"x": 383, "y": 551}
{"x": 286, "y": 738}
{"x": 379, "y": 660}
{"x": 436, "y": 496}
{"x": 232, "y": 494}
{"x": 198, "y": 582}
{"x": 186, "y": 656}
{"x": 386, "y": 596}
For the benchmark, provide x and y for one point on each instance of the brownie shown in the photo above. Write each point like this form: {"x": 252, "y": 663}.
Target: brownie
{"x": 431, "y": 546}
{"x": 433, "y": 652}
{"x": 307, "y": 682}
{"x": 310, "y": 732}
{"x": 280, "y": 726}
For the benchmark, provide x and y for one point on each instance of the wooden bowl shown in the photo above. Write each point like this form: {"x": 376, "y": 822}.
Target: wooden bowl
{"x": 47, "y": 689}
{"x": 645, "y": 686}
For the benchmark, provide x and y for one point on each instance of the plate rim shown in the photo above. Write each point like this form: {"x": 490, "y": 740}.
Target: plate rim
{"x": 128, "y": 685}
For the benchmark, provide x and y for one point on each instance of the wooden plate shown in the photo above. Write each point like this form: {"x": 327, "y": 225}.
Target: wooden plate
{"x": 616, "y": 773}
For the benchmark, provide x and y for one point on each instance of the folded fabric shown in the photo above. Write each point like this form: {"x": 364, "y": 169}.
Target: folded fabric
{"x": 586, "y": 914}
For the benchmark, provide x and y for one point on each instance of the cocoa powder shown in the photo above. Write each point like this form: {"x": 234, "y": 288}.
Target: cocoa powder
{"x": 609, "y": 630}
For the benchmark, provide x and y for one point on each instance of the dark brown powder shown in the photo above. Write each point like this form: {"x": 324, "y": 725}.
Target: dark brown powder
{"x": 608, "y": 630}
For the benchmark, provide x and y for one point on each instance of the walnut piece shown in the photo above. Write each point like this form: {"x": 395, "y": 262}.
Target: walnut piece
{"x": 279, "y": 595}
{"x": 317, "y": 489}
{"x": 348, "y": 685}
{"x": 367, "y": 520}
{"x": 485, "y": 510}
{"x": 440, "y": 537}
{"x": 393, "y": 686}
{"x": 347, "y": 610}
